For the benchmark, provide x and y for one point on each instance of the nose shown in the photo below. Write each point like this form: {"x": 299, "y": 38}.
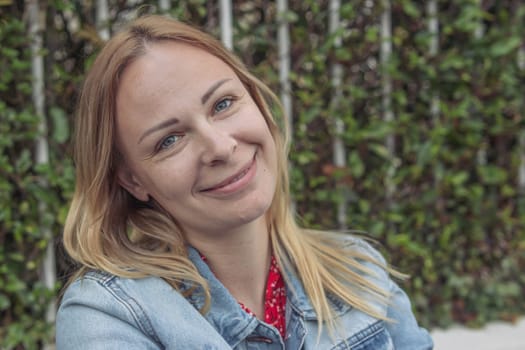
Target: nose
{"x": 217, "y": 145}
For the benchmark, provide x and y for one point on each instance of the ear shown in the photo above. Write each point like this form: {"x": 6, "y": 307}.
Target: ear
{"x": 129, "y": 181}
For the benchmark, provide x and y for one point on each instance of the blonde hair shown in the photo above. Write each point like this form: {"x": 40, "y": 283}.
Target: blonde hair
{"x": 107, "y": 229}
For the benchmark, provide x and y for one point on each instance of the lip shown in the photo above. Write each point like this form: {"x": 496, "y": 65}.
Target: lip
{"x": 235, "y": 182}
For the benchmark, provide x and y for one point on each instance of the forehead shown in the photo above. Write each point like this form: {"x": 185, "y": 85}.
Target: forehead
{"x": 168, "y": 64}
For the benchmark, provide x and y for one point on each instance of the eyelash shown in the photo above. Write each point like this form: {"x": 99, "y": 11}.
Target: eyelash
{"x": 161, "y": 145}
{"x": 222, "y": 100}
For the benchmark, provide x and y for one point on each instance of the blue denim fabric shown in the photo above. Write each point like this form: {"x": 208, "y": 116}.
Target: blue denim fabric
{"x": 101, "y": 311}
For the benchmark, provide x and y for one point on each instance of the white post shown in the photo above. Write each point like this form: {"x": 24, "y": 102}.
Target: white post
{"x": 225, "y": 13}
{"x": 478, "y": 35}
{"x": 339, "y": 152}
{"x": 36, "y": 21}
{"x": 521, "y": 173}
{"x": 433, "y": 29}
{"x": 283, "y": 38}
{"x": 283, "y": 42}
{"x": 386, "y": 89}
{"x": 164, "y": 6}
{"x": 103, "y": 19}
{"x": 521, "y": 58}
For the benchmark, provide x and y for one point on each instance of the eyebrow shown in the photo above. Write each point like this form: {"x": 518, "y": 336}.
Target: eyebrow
{"x": 212, "y": 89}
{"x": 173, "y": 121}
{"x": 158, "y": 127}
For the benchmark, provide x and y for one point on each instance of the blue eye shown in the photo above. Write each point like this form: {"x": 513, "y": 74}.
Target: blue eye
{"x": 169, "y": 141}
{"x": 223, "y": 104}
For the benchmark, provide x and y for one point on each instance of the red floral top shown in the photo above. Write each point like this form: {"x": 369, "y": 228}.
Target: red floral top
{"x": 275, "y": 299}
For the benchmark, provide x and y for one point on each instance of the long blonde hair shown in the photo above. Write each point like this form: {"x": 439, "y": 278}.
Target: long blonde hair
{"x": 107, "y": 229}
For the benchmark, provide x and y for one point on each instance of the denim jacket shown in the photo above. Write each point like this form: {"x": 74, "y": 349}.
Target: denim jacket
{"x": 102, "y": 311}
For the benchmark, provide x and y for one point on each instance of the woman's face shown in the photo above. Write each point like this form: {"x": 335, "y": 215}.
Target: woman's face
{"x": 193, "y": 139}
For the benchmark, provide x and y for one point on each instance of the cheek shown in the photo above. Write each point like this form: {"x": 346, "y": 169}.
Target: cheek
{"x": 169, "y": 181}
{"x": 259, "y": 128}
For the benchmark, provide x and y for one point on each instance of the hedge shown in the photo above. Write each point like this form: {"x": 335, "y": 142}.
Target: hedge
{"x": 446, "y": 203}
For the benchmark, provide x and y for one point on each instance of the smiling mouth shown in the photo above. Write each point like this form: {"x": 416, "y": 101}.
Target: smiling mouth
{"x": 232, "y": 179}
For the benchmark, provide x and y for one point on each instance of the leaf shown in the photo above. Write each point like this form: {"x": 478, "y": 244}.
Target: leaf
{"x": 60, "y": 124}
{"x": 380, "y": 150}
{"x": 356, "y": 165}
{"x": 4, "y": 302}
{"x": 411, "y": 9}
{"x": 424, "y": 155}
{"x": 492, "y": 174}
{"x": 459, "y": 178}
{"x": 503, "y": 47}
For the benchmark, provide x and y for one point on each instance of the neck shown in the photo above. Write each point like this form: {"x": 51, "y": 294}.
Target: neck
{"x": 240, "y": 259}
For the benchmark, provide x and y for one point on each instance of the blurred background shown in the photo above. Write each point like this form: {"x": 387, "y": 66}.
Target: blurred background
{"x": 407, "y": 119}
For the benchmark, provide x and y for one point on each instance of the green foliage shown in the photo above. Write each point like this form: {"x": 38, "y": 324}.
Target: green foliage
{"x": 31, "y": 198}
{"x": 455, "y": 217}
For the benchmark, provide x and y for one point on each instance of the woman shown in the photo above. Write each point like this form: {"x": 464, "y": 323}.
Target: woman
{"x": 181, "y": 221}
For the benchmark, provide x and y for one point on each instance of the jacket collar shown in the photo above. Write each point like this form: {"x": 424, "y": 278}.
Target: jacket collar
{"x": 230, "y": 320}
{"x": 225, "y": 313}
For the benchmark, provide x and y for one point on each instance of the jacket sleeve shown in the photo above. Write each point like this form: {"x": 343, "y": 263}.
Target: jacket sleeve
{"x": 90, "y": 317}
{"x": 403, "y": 328}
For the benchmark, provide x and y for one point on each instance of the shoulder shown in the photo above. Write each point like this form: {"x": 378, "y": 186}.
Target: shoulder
{"x": 400, "y": 320}
{"x": 354, "y": 243}
{"x": 98, "y": 310}
{"x": 368, "y": 260}
{"x": 125, "y": 298}
{"x": 351, "y": 243}
{"x": 129, "y": 313}
{"x": 97, "y": 287}
{"x": 103, "y": 311}
{"x": 99, "y": 296}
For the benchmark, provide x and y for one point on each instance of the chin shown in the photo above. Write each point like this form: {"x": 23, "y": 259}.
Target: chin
{"x": 254, "y": 211}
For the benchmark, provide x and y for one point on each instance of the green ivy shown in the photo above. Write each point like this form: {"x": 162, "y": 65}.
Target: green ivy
{"x": 455, "y": 219}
